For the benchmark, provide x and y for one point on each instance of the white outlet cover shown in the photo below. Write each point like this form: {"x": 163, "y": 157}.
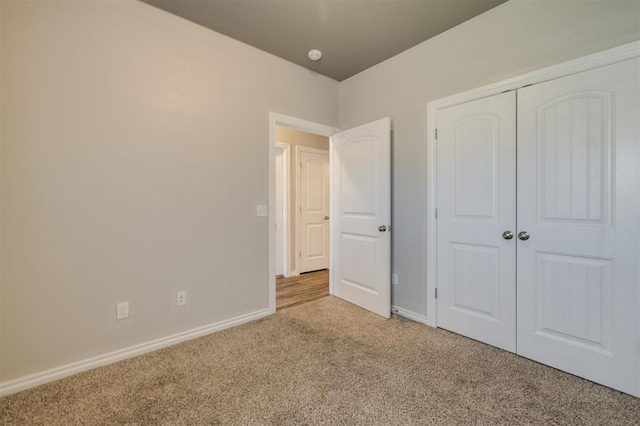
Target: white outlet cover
{"x": 181, "y": 298}
{"x": 122, "y": 311}
{"x": 394, "y": 278}
{"x": 261, "y": 210}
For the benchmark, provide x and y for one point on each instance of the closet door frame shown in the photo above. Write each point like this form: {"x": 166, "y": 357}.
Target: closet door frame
{"x": 596, "y": 60}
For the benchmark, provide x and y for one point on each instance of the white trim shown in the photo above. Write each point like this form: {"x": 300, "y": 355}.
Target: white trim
{"x": 596, "y": 60}
{"x": 286, "y": 204}
{"x": 432, "y": 258}
{"x": 332, "y": 215}
{"x": 589, "y": 62}
{"x": 276, "y": 119}
{"x": 57, "y": 373}
{"x": 296, "y": 211}
{"x": 409, "y": 315}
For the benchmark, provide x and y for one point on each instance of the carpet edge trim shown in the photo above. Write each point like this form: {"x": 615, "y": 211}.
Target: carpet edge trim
{"x": 56, "y": 373}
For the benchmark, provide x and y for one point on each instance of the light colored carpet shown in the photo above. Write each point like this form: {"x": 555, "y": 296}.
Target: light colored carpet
{"x": 325, "y": 362}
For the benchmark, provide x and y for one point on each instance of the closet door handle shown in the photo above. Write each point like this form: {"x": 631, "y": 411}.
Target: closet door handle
{"x": 523, "y": 235}
{"x": 507, "y": 235}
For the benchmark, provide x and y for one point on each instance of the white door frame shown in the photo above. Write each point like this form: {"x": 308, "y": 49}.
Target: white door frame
{"x": 296, "y": 212}
{"x": 286, "y": 204}
{"x": 596, "y": 60}
{"x": 276, "y": 119}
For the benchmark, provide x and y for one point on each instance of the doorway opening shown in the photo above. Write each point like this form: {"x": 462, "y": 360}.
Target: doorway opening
{"x": 304, "y": 217}
{"x": 360, "y": 196}
{"x": 302, "y": 221}
{"x": 299, "y": 233}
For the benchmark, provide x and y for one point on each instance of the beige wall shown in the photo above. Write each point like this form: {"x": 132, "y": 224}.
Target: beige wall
{"x": 295, "y": 137}
{"x": 512, "y": 39}
{"x": 134, "y": 149}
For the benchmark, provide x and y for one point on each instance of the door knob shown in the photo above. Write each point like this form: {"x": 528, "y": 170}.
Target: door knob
{"x": 326, "y": 218}
{"x": 507, "y": 235}
{"x": 523, "y": 235}
{"x": 382, "y": 228}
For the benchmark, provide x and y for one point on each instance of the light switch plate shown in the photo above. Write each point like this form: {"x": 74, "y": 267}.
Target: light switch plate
{"x": 261, "y": 210}
{"x": 394, "y": 278}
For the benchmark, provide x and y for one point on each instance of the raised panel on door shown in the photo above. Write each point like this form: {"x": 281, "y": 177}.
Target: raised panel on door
{"x": 362, "y": 211}
{"x": 476, "y": 204}
{"x": 574, "y": 166}
{"x": 314, "y": 209}
{"x": 579, "y": 199}
{"x": 573, "y": 299}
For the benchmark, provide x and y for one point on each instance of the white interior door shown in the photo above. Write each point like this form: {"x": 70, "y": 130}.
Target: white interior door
{"x": 579, "y": 202}
{"x": 361, "y": 241}
{"x": 314, "y": 209}
{"x": 476, "y": 195}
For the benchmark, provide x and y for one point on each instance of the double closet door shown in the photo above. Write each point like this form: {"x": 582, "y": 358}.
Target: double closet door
{"x": 538, "y": 226}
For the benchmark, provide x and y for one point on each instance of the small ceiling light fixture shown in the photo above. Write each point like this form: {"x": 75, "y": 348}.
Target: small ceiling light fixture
{"x": 315, "y": 54}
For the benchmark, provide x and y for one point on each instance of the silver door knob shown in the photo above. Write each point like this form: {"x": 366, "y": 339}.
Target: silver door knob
{"x": 507, "y": 235}
{"x": 382, "y": 228}
{"x": 523, "y": 235}
{"x": 326, "y": 218}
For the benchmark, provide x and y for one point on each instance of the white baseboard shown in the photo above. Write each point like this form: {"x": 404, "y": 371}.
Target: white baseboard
{"x": 410, "y": 315}
{"x": 57, "y": 373}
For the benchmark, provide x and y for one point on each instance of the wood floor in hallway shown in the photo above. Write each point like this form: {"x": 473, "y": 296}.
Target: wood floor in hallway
{"x": 304, "y": 288}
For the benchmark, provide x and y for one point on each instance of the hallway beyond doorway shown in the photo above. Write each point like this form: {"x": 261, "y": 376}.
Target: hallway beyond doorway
{"x": 301, "y": 289}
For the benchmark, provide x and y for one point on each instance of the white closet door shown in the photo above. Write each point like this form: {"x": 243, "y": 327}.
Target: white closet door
{"x": 476, "y": 195}
{"x": 579, "y": 202}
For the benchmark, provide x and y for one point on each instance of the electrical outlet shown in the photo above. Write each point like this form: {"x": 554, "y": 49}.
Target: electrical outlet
{"x": 394, "y": 278}
{"x": 122, "y": 311}
{"x": 181, "y": 298}
{"x": 261, "y": 210}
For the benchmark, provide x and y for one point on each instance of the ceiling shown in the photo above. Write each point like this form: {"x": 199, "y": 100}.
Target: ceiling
{"x": 353, "y": 35}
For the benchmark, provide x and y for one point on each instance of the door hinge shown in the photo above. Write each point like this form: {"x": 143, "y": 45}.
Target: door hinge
{"x": 436, "y": 293}
{"x": 436, "y": 213}
{"x": 436, "y": 134}
{"x": 300, "y": 209}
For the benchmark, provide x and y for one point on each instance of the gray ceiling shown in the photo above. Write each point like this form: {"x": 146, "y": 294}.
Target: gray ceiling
{"x": 352, "y": 34}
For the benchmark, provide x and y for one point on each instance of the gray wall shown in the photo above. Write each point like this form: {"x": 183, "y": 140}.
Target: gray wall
{"x": 134, "y": 149}
{"x": 512, "y": 39}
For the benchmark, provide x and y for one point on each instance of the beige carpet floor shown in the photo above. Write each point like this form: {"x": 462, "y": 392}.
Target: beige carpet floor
{"x": 325, "y": 362}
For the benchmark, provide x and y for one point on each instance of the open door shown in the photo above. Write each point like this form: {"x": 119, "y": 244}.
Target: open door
{"x": 360, "y": 223}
